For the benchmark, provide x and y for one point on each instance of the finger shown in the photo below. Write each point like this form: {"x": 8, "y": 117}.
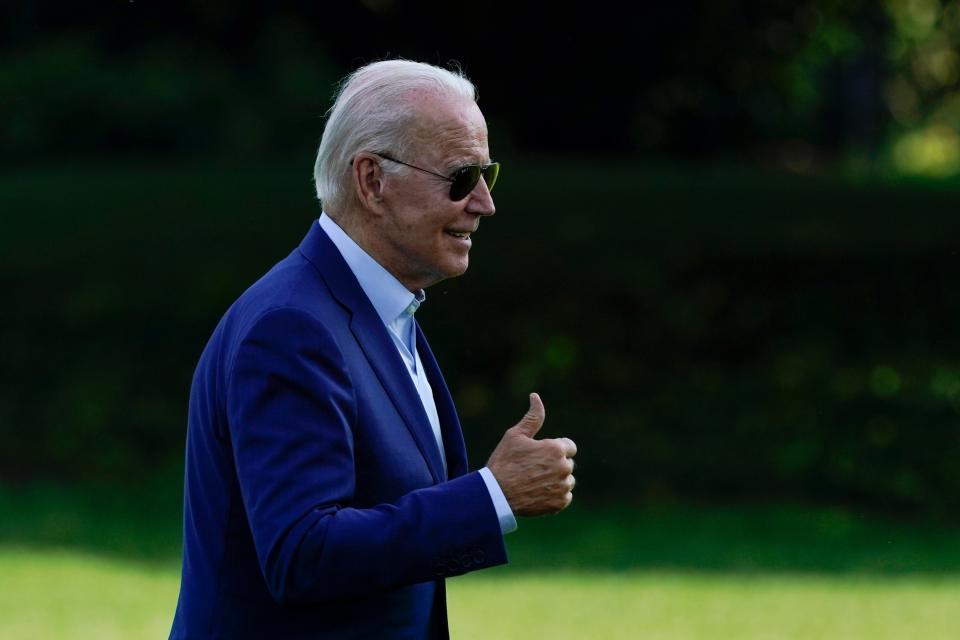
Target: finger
{"x": 571, "y": 483}
{"x": 532, "y": 420}
{"x": 570, "y": 447}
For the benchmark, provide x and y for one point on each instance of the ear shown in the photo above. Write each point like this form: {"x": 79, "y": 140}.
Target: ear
{"x": 368, "y": 181}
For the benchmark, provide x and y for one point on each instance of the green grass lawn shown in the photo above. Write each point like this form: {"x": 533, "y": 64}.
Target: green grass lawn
{"x": 55, "y": 594}
{"x": 76, "y": 563}
{"x": 674, "y": 605}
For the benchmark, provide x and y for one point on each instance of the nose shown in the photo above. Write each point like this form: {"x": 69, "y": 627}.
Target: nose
{"x": 480, "y": 202}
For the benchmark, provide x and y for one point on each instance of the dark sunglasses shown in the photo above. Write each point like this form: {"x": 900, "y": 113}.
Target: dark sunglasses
{"x": 463, "y": 180}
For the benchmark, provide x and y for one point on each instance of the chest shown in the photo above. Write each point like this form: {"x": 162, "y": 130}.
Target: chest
{"x": 388, "y": 440}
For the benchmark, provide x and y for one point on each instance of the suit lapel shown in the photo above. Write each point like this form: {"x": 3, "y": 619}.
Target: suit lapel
{"x": 447, "y": 412}
{"x": 373, "y": 338}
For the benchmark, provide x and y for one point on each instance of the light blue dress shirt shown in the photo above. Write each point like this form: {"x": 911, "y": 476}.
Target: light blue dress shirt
{"x": 396, "y": 305}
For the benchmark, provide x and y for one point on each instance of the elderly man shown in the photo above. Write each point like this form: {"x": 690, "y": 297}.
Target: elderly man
{"x": 327, "y": 493}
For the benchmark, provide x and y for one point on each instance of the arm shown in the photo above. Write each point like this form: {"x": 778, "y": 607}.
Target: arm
{"x": 290, "y": 406}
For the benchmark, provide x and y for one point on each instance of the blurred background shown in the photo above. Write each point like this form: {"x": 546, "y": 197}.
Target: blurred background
{"x": 725, "y": 254}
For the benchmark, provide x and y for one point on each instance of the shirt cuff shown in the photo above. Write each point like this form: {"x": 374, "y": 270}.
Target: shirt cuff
{"x": 508, "y": 523}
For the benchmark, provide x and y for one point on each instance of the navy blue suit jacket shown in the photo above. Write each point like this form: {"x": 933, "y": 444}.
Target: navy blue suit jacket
{"x": 315, "y": 502}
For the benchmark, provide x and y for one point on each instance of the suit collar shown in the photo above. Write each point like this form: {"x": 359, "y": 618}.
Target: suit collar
{"x": 387, "y": 294}
{"x": 371, "y": 335}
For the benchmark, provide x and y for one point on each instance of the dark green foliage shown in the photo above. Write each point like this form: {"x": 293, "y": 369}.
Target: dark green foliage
{"x": 796, "y": 81}
{"x": 714, "y": 335}
{"x": 69, "y": 94}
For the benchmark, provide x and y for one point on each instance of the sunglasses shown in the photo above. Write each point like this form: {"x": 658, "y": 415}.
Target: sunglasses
{"x": 463, "y": 180}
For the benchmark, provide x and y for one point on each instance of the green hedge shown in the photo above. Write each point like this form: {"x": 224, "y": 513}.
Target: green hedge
{"x": 701, "y": 334}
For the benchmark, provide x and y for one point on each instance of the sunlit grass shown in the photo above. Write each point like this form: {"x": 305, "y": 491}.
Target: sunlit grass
{"x": 670, "y": 606}
{"x": 84, "y": 563}
{"x": 54, "y": 594}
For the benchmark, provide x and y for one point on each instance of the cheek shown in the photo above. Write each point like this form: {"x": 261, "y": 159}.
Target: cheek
{"x": 432, "y": 223}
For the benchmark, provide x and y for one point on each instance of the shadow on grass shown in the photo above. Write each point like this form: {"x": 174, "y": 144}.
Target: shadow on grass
{"x": 745, "y": 539}
{"x": 142, "y": 525}
{"x": 145, "y": 526}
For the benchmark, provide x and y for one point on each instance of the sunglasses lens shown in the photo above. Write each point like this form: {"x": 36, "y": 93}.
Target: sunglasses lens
{"x": 490, "y": 175}
{"x": 467, "y": 178}
{"x": 464, "y": 181}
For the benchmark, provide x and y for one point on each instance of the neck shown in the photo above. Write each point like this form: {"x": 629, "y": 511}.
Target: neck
{"x": 359, "y": 228}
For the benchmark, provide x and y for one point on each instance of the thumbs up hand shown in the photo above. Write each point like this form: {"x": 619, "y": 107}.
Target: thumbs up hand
{"x": 536, "y": 476}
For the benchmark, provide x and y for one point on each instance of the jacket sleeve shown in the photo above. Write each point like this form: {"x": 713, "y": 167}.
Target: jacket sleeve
{"x": 290, "y": 407}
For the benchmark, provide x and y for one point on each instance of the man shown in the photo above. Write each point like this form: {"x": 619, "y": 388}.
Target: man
{"x": 326, "y": 492}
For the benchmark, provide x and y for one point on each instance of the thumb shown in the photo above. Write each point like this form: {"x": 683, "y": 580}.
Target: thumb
{"x": 532, "y": 420}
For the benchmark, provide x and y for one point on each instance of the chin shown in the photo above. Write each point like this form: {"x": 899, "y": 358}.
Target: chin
{"x": 459, "y": 268}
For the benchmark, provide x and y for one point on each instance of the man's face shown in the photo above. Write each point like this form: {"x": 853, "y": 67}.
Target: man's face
{"x": 426, "y": 234}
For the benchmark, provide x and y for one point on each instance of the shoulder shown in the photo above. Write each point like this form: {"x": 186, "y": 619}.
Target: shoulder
{"x": 293, "y": 284}
{"x": 290, "y": 302}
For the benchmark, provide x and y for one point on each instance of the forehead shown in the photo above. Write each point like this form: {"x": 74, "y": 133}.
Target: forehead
{"x": 449, "y": 128}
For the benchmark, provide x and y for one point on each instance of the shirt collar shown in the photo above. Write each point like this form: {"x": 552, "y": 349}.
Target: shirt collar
{"x": 389, "y": 297}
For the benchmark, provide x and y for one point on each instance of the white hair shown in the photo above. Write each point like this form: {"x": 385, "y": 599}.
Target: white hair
{"x": 373, "y": 112}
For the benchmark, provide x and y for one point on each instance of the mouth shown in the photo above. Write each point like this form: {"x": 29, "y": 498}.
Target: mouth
{"x": 462, "y": 235}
